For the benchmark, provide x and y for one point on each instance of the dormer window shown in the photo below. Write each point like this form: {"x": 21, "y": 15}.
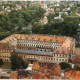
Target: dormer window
{"x": 57, "y": 51}
{"x": 4, "y": 46}
{"x": 15, "y": 37}
{"x": 44, "y": 39}
{"x": 50, "y": 39}
{"x": 38, "y": 38}
{"x": 63, "y": 52}
{"x": 26, "y": 37}
{"x": 32, "y": 38}
{"x": 56, "y": 40}
{"x": 7, "y": 42}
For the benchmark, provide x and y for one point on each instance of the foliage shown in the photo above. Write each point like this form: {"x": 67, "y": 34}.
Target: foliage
{"x": 17, "y": 62}
{"x": 68, "y": 27}
{"x": 6, "y": 65}
{"x": 77, "y": 66}
{"x": 64, "y": 65}
{"x": 1, "y": 62}
{"x": 22, "y": 18}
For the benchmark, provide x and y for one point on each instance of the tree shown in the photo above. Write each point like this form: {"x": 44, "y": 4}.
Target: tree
{"x": 77, "y": 66}
{"x": 17, "y": 62}
{"x": 36, "y": 27}
{"x": 1, "y": 62}
{"x": 64, "y": 65}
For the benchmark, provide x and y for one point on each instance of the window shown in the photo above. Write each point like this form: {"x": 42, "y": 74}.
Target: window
{"x": 66, "y": 55}
{"x": 57, "y": 51}
{"x": 26, "y": 37}
{"x": 38, "y": 38}
{"x": 56, "y": 40}
{"x": 50, "y": 39}
{"x": 32, "y": 38}
{"x": 7, "y": 42}
{"x": 4, "y": 46}
{"x": 51, "y": 59}
{"x": 44, "y": 39}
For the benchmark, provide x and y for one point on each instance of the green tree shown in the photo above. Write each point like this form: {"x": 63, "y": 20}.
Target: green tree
{"x": 17, "y": 62}
{"x": 64, "y": 65}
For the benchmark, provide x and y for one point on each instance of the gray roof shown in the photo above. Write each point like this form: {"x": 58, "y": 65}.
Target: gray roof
{"x": 33, "y": 52}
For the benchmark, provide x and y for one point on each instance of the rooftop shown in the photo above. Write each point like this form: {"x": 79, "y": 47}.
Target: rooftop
{"x": 72, "y": 74}
{"x": 53, "y": 38}
{"x": 45, "y": 70}
{"x": 65, "y": 47}
{"x": 32, "y": 52}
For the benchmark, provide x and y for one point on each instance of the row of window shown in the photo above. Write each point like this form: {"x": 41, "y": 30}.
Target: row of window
{"x": 40, "y": 58}
{"x": 34, "y": 45}
{"x": 47, "y": 58}
{"x": 59, "y": 55}
{"x": 6, "y": 59}
{"x": 5, "y": 50}
{"x": 5, "y": 55}
{"x": 62, "y": 60}
{"x": 50, "y": 43}
{"x": 43, "y": 49}
{"x": 41, "y": 46}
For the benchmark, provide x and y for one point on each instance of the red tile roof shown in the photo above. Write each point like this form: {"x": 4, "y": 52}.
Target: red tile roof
{"x": 72, "y": 74}
{"x": 66, "y": 46}
{"x": 45, "y": 70}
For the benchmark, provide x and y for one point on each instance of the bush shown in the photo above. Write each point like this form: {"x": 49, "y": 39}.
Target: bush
{"x": 1, "y": 62}
{"x": 64, "y": 65}
{"x": 77, "y": 66}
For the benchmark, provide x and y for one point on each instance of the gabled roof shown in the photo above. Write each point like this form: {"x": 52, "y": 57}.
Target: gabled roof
{"x": 66, "y": 46}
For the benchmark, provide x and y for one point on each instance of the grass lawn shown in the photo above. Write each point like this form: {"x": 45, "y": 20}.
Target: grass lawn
{"x": 6, "y": 65}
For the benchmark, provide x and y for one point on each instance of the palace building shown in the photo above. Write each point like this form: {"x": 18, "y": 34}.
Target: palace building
{"x": 43, "y": 48}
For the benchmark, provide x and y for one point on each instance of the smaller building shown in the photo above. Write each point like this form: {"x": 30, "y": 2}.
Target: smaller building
{"x": 44, "y": 20}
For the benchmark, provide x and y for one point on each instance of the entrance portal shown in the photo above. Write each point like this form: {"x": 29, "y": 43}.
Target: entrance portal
{"x": 31, "y": 61}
